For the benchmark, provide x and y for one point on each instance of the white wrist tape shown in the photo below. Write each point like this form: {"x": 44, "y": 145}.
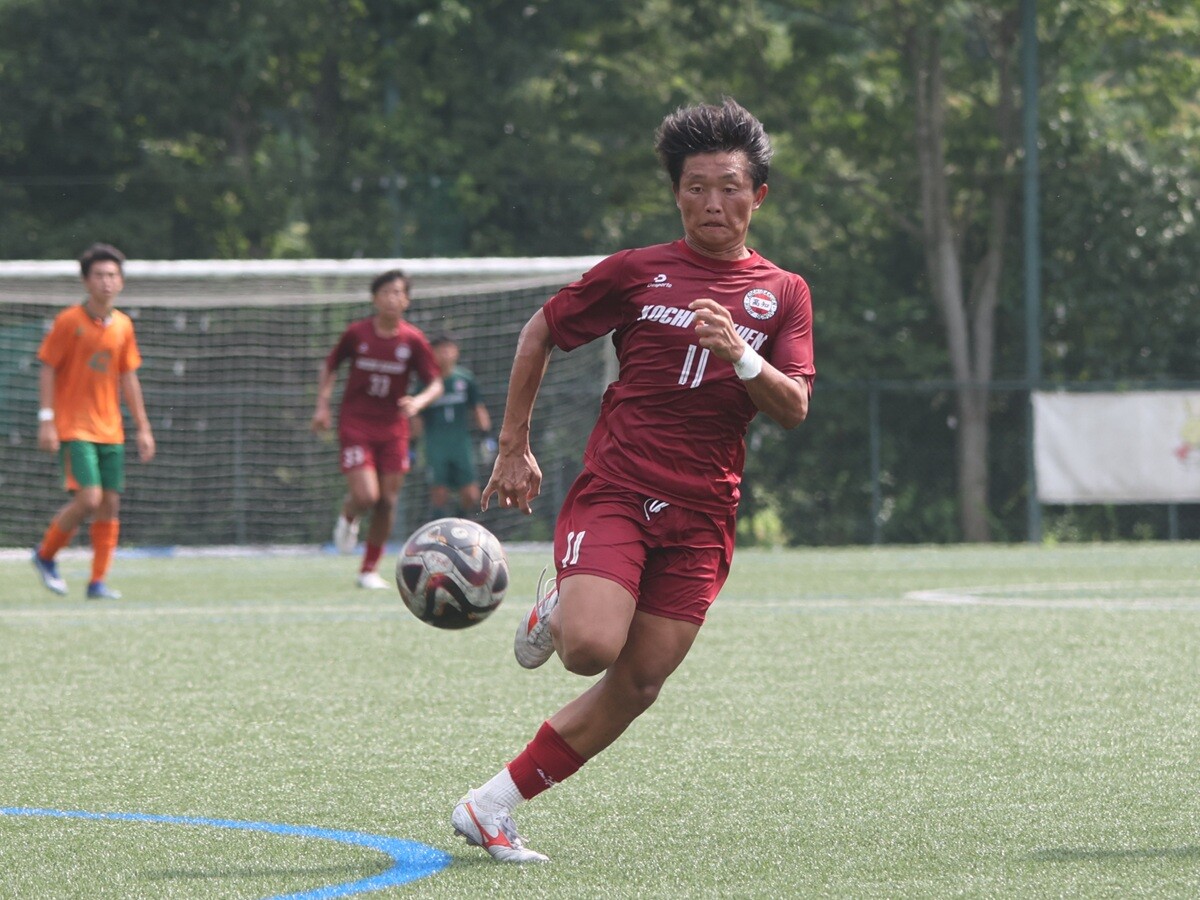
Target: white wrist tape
{"x": 749, "y": 365}
{"x": 45, "y": 414}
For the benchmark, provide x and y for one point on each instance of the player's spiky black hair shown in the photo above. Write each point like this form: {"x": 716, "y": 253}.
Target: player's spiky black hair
{"x": 707, "y": 128}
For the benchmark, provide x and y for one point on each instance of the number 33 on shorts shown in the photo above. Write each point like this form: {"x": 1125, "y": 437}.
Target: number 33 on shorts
{"x": 353, "y": 457}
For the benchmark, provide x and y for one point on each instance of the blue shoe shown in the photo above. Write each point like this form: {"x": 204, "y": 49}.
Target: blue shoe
{"x": 97, "y": 590}
{"x": 47, "y": 570}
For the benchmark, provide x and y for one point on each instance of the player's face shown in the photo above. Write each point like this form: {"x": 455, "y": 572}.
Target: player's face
{"x": 104, "y": 281}
{"x": 391, "y": 300}
{"x": 446, "y": 356}
{"x": 716, "y": 198}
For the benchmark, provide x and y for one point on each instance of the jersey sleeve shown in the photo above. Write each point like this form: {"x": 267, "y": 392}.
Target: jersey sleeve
{"x": 423, "y": 359}
{"x": 590, "y": 307}
{"x": 131, "y": 357}
{"x": 792, "y": 350}
{"x": 55, "y": 344}
{"x": 342, "y": 350}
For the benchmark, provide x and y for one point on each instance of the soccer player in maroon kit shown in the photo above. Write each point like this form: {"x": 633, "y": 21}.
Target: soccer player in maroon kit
{"x": 707, "y": 334}
{"x": 373, "y": 428}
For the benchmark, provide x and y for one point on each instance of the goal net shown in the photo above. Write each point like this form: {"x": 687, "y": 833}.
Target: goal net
{"x": 231, "y": 353}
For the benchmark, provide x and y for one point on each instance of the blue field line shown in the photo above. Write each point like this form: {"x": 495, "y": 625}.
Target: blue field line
{"x": 410, "y": 860}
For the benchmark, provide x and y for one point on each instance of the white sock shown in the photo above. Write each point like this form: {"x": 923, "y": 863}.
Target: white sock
{"x": 500, "y": 793}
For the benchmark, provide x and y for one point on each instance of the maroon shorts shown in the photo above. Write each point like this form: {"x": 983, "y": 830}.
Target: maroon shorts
{"x": 672, "y": 560}
{"x": 386, "y": 456}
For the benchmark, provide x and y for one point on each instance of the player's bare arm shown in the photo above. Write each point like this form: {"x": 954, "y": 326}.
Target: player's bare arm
{"x": 516, "y": 478}
{"x": 47, "y": 428}
{"x": 411, "y": 404}
{"x": 322, "y": 419}
{"x": 783, "y": 398}
{"x": 131, "y": 390}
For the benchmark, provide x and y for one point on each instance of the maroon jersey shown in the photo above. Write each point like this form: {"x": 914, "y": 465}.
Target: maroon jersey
{"x": 379, "y": 372}
{"x": 673, "y": 423}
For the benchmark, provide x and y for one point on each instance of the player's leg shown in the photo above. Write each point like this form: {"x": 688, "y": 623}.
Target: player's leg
{"x": 105, "y": 532}
{"x": 592, "y": 623}
{"x": 683, "y": 559}
{"x": 439, "y": 500}
{"x": 600, "y": 551}
{"x": 383, "y": 517}
{"x": 391, "y": 461}
{"x": 81, "y": 476}
{"x": 468, "y": 499}
{"x": 362, "y": 490}
{"x": 654, "y": 648}
{"x": 106, "y": 522}
{"x": 438, "y": 459}
{"x": 462, "y": 478}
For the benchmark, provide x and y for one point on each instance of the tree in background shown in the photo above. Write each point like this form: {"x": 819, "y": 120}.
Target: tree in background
{"x": 257, "y": 128}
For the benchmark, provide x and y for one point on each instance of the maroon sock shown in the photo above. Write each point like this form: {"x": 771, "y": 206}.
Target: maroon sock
{"x": 545, "y": 761}
{"x": 371, "y": 557}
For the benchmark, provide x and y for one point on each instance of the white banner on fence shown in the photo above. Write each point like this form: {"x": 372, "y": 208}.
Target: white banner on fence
{"x": 1136, "y": 447}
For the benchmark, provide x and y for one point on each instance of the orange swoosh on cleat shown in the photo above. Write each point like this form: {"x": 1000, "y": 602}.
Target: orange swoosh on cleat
{"x": 489, "y": 840}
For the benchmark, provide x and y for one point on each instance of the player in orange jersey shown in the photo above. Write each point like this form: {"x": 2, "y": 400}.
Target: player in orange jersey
{"x": 89, "y": 362}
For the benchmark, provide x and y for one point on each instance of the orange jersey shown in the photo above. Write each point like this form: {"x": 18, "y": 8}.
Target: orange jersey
{"x": 89, "y": 357}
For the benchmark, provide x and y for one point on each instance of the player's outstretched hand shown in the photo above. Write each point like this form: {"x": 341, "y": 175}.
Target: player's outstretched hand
{"x": 516, "y": 480}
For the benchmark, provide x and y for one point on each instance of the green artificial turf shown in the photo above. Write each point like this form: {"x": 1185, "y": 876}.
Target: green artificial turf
{"x": 899, "y": 722}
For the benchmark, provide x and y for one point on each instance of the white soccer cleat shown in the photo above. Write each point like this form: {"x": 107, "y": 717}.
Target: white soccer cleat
{"x": 345, "y": 535}
{"x": 47, "y": 570}
{"x": 534, "y": 644}
{"x": 372, "y": 581}
{"x": 494, "y": 831}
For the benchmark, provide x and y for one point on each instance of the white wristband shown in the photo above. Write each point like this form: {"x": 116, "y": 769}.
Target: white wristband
{"x": 749, "y": 365}
{"x": 45, "y": 414}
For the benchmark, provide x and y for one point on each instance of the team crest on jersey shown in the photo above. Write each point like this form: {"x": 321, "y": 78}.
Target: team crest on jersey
{"x": 403, "y": 352}
{"x": 760, "y": 303}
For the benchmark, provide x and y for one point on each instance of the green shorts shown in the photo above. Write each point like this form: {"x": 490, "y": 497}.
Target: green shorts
{"x": 87, "y": 464}
{"x": 451, "y": 463}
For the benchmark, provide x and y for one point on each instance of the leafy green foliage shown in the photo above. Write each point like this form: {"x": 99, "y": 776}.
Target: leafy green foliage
{"x": 262, "y": 128}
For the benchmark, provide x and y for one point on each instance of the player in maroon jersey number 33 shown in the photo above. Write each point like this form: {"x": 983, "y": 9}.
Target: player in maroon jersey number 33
{"x": 373, "y": 428}
{"x": 708, "y": 333}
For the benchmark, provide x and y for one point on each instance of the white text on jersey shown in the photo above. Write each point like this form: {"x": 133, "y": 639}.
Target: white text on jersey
{"x": 683, "y": 318}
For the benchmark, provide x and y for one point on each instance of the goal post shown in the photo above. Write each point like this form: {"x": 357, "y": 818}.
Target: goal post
{"x": 231, "y": 351}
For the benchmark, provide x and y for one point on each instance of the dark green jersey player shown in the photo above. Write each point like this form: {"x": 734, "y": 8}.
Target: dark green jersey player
{"x": 447, "y": 425}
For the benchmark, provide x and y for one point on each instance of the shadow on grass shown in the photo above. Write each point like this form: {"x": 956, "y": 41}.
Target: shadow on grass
{"x": 1070, "y": 854}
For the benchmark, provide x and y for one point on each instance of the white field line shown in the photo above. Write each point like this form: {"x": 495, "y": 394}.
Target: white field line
{"x": 1111, "y": 595}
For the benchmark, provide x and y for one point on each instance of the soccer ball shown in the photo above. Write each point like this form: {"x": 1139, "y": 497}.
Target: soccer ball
{"x": 452, "y": 573}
